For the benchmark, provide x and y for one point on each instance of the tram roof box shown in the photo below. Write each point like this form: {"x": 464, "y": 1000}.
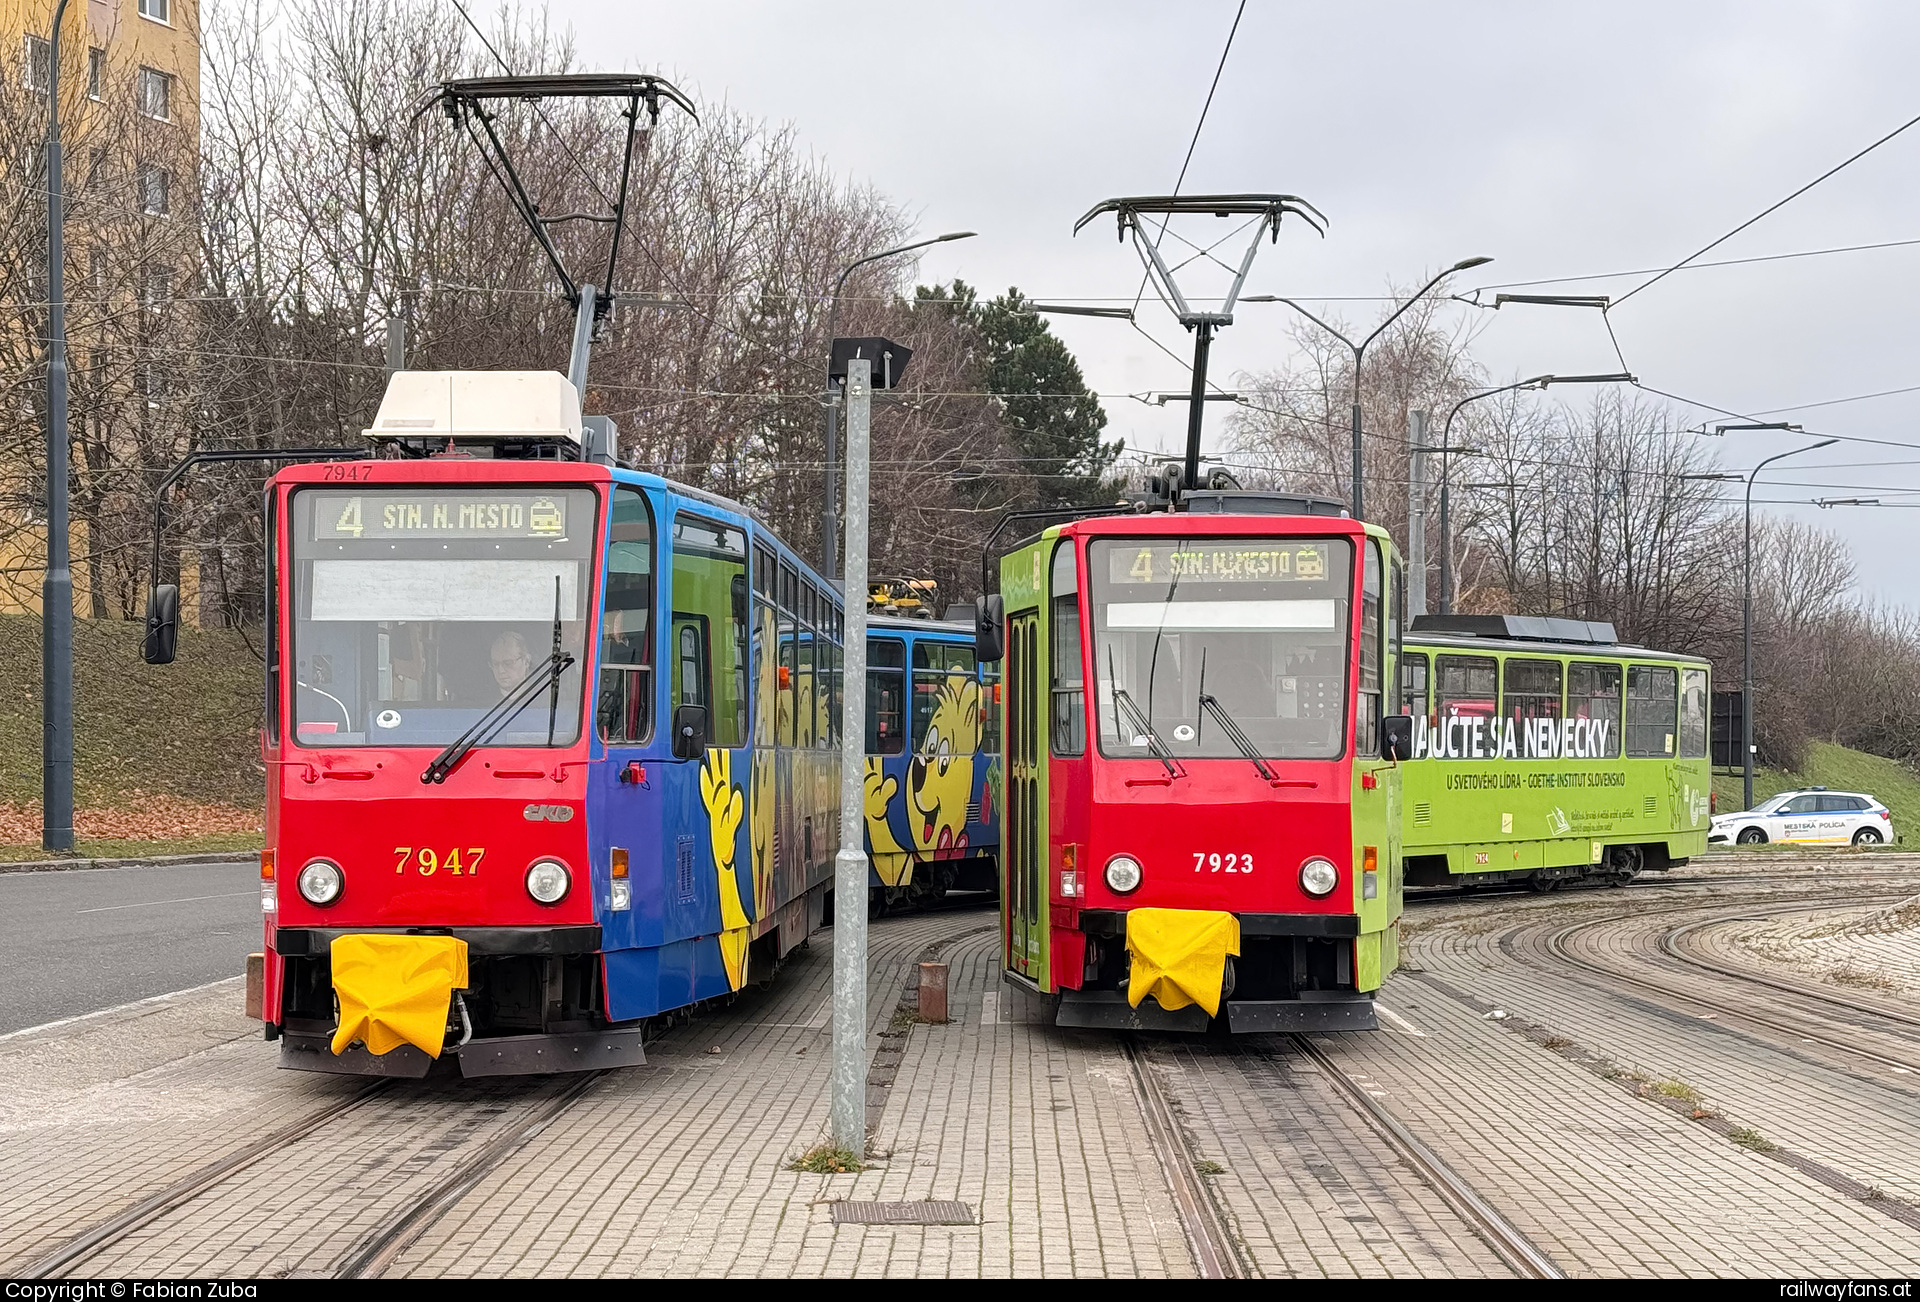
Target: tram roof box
{"x": 1245, "y": 501}
{"x": 1519, "y": 628}
{"x": 482, "y": 406}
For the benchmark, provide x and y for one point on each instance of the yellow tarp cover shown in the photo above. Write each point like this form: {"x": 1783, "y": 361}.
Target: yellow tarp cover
{"x": 1180, "y": 956}
{"x": 395, "y": 990}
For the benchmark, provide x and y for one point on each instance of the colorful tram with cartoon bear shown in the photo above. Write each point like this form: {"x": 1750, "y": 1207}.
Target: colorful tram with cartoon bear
{"x": 931, "y": 782}
{"x": 1202, "y": 798}
{"x": 549, "y": 745}
{"x": 1545, "y": 752}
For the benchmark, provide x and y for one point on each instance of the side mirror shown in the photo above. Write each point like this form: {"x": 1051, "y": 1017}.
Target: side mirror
{"x": 989, "y": 629}
{"x": 163, "y": 624}
{"x": 689, "y": 731}
{"x": 1396, "y": 737}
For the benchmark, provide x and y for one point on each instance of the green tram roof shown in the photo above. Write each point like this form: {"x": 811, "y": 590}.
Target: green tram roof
{"x": 1532, "y": 635}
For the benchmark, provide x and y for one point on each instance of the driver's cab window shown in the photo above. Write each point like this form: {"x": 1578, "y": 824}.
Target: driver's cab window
{"x": 625, "y": 709}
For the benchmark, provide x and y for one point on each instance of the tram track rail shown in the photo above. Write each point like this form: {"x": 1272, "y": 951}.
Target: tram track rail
{"x": 384, "y": 1244}
{"x": 379, "y": 1246}
{"x": 1558, "y": 944}
{"x": 104, "y": 1234}
{"x": 1213, "y": 1251}
{"x": 1500, "y": 1234}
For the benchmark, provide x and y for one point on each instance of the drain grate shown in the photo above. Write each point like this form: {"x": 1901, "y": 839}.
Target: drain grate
{"x": 920, "y": 1213}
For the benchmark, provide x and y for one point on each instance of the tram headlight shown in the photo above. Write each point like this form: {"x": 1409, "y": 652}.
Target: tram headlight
{"x": 1123, "y": 874}
{"x": 321, "y": 882}
{"x": 1318, "y": 877}
{"x": 548, "y": 881}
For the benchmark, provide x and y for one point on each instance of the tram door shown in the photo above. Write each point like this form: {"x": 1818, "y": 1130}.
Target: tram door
{"x": 1026, "y": 931}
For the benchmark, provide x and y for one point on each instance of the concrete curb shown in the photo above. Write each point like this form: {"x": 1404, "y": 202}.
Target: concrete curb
{"x": 147, "y": 861}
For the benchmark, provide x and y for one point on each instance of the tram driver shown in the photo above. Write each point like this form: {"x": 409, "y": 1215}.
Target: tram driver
{"x": 512, "y": 661}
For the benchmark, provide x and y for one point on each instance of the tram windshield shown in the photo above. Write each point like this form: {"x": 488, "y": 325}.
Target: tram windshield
{"x": 1221, "y": 647}
{"x": 419, "y": 610}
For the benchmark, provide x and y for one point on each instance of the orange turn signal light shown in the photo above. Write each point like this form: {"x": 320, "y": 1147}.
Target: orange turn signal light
{"x": 618, "y": 862}
{"x": 1369, "y": 859}
{"x": 786, "y": 678}
{"x": 266, "y": 865}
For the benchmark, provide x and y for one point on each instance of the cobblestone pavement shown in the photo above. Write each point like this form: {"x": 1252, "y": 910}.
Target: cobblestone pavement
{"x": 101, "y": 1112}
{"x": 680, "y": 1167}
{"x": 1868, "y": 951}
{"x": 1608, "y": 1183}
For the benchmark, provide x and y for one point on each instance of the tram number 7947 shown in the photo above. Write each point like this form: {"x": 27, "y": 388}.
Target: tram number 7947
{"x": 1222, "y": 863}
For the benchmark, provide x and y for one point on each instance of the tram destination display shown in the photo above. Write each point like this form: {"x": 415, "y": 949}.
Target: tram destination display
{"x": 417, "y": 515}
{"x": 1231, "y": 561}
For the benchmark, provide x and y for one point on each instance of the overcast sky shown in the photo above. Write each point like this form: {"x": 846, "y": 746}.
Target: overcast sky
{"x": 1562, "y": 141}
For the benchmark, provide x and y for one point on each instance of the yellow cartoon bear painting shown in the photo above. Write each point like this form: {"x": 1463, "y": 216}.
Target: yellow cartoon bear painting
{"x": 939, "y": 786}
{"x": 726, "y": 807}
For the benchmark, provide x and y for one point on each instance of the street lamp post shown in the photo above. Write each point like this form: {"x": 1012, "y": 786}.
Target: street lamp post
{"x": 827, "y": 513}
{"x": 1746, "y": 620}
{"x": 56, "y": 590}
{"x": 1446, "y": 464}
{"x": 1359, "y": 355}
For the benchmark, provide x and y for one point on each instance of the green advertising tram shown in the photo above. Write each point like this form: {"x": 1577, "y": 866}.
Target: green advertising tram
{"x": 1544, "y": 751}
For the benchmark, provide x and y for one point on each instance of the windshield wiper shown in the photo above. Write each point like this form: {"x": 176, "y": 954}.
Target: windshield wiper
{"x": 1160, "y": 749}
{"x": 488, "y": 725}
{"x": 1240, "y": 739}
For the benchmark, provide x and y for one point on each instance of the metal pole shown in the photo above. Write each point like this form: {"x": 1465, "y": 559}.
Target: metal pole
{"x": 1196, "y": 406}
{"x": 397, "y": 344}
{"x": 1746, "y": 653}
{"x": 1417, "y": 513}
{"x": 1746, "y": 620}
{"x": 1446, "y": 521}
{"x": 56, "y": 593}
{"x": 828, "y": 524}
{"x": 582, "y": 343}
{"x": 1359, "y": 485}
{"x": 849, "y": 1106}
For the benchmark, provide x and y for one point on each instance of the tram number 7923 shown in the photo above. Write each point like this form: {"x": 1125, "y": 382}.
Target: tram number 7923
{"x": 1222, "y": 863}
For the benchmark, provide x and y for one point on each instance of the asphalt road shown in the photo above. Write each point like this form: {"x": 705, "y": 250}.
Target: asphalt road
{"x": 74, "y": 942}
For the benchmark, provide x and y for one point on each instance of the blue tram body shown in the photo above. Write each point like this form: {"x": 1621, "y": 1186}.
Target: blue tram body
{"x": 932, "y": 781}
{"x": 761, "y": 804}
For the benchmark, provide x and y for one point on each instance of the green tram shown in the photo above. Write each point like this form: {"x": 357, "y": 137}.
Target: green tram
{"x": 1544, "y": 751}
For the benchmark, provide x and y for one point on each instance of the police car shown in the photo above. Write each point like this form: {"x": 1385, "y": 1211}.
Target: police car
{"x": 1810, "y": 816}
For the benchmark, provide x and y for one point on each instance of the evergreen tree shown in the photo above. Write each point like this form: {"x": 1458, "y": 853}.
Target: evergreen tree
{"x": 1053, "y": 420}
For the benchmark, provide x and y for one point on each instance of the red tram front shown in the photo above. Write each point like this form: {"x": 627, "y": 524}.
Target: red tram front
{"x": 1201, "y": 807}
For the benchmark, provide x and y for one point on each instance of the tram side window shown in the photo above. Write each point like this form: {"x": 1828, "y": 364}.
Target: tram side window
{"x": 1413, "y": 684}
{"x": 1366, "y": 715}
{"x": 625, "y": 709}
{"x": 990, "y": 708}
{"x": 886, "y": 696}
{"x": 766, "y": 571}
{"x": 1693, "y": 714}
{"x": 786, "y": 680}
{"x": 1652, "y": 711}
{"x": 1532, "y": 689}
{"x": 1467, "y": 687}
{"x": 710, "y": 625}
{"x": 1069, "y": 727}
{"x": 933, "y": 664}
{"x": 1593, "y": 692}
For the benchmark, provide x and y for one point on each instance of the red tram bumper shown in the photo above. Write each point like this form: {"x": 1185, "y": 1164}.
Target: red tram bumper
{"x": 1294, "y": 973}
{"x": 534, "y": 994}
